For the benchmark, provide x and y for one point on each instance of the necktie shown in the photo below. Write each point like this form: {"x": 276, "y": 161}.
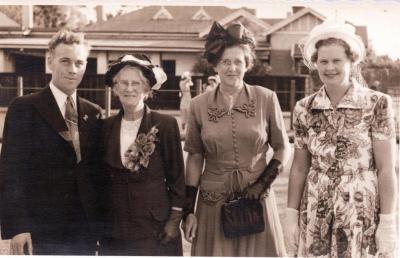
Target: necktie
{"x": 71, "y": 118}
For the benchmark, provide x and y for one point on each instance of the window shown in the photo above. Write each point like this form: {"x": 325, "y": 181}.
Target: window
{"x": 300, "y": 67}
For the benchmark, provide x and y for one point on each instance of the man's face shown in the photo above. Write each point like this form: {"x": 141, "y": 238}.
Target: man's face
{"x": 67, "y": 64}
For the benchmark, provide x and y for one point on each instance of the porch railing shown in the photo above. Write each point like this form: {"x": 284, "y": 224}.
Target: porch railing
{"x": 288, "y": 90}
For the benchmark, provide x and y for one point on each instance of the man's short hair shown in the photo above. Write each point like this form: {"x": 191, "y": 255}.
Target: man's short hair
{"x": 68, "y": 37}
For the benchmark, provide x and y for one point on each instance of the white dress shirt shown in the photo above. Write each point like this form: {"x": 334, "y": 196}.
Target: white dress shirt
{"x": 61, "y": 98}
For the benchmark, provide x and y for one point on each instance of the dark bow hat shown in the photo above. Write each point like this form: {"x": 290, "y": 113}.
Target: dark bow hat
{"x": 219, "y": 38}
{"x": 154, "y": 74}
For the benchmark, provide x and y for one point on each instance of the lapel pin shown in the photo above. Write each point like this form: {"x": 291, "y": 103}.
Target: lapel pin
{"x": 85, "y": 117}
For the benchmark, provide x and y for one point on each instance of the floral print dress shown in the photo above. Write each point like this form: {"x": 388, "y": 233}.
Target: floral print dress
{"x": 340, "y": 203}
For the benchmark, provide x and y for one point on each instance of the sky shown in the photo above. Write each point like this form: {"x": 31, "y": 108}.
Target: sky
{"x": 382, "y": 18}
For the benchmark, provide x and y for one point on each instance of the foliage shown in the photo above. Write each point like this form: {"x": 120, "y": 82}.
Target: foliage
{"x": 14, "y": 12}
{"x": 118, "y": 13}
{"x": 259, "y": 68}
{"x": 381, "y": 70}
{"x": 203, "y": 67}
{"x": 49, "y": 16}
{"x": 57, "y": 16}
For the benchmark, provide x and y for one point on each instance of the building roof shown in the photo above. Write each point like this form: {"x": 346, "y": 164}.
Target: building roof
{"x": 292, "y": 18}
{"x": 254, "y": 24}
{"x": 7, "y": 22}
{"x": 300, "y": 12}
{"x": 142, "y": 20}
{"x": 109, "y": 44}
{"x": 271, "y": 21}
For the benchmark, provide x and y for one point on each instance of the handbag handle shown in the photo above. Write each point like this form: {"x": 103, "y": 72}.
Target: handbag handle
{"x": 234, "y": 181}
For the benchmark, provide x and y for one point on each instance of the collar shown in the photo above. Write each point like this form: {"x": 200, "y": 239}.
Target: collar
{"x": 219, "y": 107}
{"x": 216, "y": 98}
{"x": 352, "y": 99}
{"x": 61, "y": 97}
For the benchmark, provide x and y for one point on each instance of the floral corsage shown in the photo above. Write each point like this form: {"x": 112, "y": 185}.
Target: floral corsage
{"x": 138, "y": 154}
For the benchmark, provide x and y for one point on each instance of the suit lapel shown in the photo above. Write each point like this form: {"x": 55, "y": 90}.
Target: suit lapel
{"x": 49, "y": 110}
{"x": 113, "y": 146}
{"x": 82, "y": 125}
{"x": 147, "y": 122}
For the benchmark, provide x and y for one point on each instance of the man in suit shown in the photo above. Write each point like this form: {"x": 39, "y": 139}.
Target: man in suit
{"x": 48, "y": 163}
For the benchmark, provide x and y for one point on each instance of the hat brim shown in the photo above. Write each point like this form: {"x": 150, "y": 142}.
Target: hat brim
{"x": 354, "y": 41}
{"x": 115, "y": 68}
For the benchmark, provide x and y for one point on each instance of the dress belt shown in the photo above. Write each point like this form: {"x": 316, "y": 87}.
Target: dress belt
{"x": 234, "y": 176}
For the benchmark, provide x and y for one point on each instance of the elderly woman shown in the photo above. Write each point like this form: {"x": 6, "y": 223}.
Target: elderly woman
{"x": 144, "y": 163}
{"x": 184, "y": 86}
{"x": 342, "y": 185}
{"x": 231, "y": 128}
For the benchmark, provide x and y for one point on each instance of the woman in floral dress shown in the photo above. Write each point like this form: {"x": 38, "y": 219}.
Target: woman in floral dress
{"x": 342, "y": 184}
{"x": 230, "y": 129}
{"x": 144, "y": 193}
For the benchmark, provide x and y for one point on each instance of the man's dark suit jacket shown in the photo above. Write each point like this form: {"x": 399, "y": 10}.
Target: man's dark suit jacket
{"x": 138, "y": 206}
{"x": 43, "y": 189}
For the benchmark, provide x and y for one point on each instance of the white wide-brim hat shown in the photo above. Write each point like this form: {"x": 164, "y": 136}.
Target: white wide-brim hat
{"x": 332, "y": 29}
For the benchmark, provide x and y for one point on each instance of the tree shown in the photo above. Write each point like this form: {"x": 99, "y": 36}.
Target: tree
{"x": 203, "y": 67}
{"x": 48, "y": 16}
{"x": 259, "y": 69}
{"x": 14, "y": 12}
{"x": 57, "y": 16}
{"x": 382, "y": 69}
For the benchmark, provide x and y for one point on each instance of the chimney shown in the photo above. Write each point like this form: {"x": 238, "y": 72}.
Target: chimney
{"x": 100, "y": 14}
{"x": 295, "y": 9}
{"x": 27, "y": 17}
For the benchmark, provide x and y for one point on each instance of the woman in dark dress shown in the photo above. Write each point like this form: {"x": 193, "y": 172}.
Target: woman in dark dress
{"x": 144, "y": 166}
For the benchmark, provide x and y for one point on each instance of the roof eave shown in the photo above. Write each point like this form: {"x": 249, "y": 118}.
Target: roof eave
{"x": 294, "y": 17}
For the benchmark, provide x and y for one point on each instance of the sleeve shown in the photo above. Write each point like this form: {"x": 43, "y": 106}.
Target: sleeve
{"x": 383, "y": 125}
{"x": 193, "y": 142}
{"x": 277, "y": 135}
{"x": 173, "y": 160}
{"x": 299, "y": 127}
{"x": 14, "y": 171}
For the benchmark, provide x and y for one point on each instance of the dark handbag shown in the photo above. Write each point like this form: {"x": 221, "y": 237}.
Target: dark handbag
{"x": 242, "y": 217}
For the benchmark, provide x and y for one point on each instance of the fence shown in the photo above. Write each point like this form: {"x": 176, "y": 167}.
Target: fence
{"x": 288, "y": 89}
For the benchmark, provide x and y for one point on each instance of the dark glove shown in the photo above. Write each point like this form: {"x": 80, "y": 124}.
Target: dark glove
{"x": 171, "y": 228}
{"x": 265, "y": 180}
{"x": 190, "y": 201}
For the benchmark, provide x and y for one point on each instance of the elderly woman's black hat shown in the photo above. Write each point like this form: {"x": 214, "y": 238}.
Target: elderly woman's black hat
{"x": 153, "y": 73}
